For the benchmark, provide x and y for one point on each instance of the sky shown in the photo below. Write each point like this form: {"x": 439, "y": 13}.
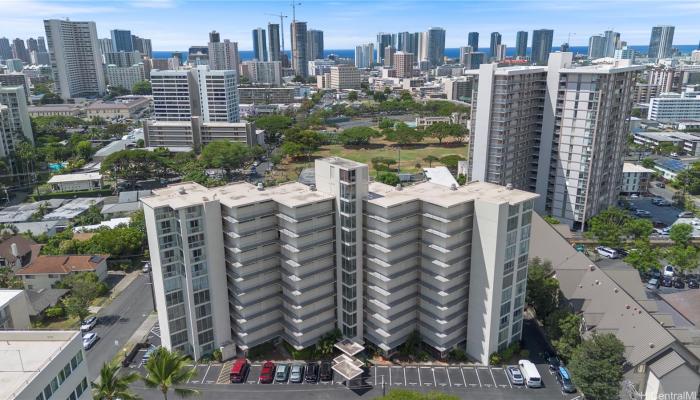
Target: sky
{"x": 178, "y": 24}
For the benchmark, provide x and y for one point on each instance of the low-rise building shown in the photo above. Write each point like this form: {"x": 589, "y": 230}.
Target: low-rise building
{"x": 43, "y": 365}
{"x": 635, "y": 179}
{"x": 16, "y": 252}
{"x": 266, "y": 95}
{"x": 76, "y": 182}
{"x": 122, "y": 107}
{"x": 196, "y": 134}
{"x": 455, "y": 118}
{"x": 669, "y": 167}
{"x": 53, "y": 110}
{"x": 653, "y": 140}
{"x": 14, "y": 309}
{"x": 46, "y": 271}
{"x": 674, "y": 107}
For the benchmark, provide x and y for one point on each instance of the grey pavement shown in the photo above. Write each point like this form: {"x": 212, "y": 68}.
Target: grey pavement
{"x": 666, "y": 215}
{"x": 118, "y": 321}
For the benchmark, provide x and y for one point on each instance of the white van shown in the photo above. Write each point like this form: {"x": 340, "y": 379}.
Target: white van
{"x": 530, "y": 373}
{"x": 607, "y": 252}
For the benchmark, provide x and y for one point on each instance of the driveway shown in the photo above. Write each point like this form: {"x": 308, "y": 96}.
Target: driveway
{"x": 118, "y": 321}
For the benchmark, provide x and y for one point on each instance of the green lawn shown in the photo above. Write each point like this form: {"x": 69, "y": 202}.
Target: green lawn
{"x": 410, "y": 155}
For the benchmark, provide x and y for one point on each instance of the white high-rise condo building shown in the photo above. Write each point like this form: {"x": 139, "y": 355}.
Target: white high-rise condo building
{"x": 364, "y": 55}
{"x": 259, "y": 44}
{"x": 223, "y": 55}
{"x": 675, "y": 107}
{"x": 661, "y": 42}
{"x": 15, "y": 127}
{"x": 171, "y": 95}
{"x": 125, "y": 77}
{"x": 76, "y": 59}
{"x": 561, "y": 132}
{"x": 242, "y": 265}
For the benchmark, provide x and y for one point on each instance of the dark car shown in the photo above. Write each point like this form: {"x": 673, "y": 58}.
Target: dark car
{"x": 311, "y": 372}
{"x": 267, "y": 375}
{"x": 660, "y": 185}
{"x": 622, "y": 252}
{"x": 667, "y": 281}
{"x": 325, "y": 372}
{"x": 565, "y": 380}
{"x": 693, "y": 284}
{"x": 678, "y": 284}
{"x": 553, "y": 361}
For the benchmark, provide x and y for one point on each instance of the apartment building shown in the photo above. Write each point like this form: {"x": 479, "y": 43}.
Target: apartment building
{"x": 196, "y": 134}
{"x": 14, "y": 309}
{"x": 345, "y": 77}
{"x": 263, "y": 72}
{"x": 241, "y": 265}
{"x": 675, "y": 107}
{"x": 125, "y": 77}
{"x": 171, "y": 95}
{"x": 266, "y": 95}
{"x": 43, "y": 365}
{"x": 559, "y": 131}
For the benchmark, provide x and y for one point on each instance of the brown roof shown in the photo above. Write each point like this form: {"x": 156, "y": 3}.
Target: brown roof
{"x": 62, "y": 264}
{"x": 24, "y": 246}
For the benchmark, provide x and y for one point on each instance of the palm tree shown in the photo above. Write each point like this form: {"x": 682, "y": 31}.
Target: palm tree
{"x": 167, "y": 370}
{"x": 112, "y": 386}
{"x": 430, "y": 159}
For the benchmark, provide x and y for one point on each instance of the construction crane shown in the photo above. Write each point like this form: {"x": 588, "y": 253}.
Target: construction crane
{"x": 281, "y": 17}
{"x": 294, "y": 10}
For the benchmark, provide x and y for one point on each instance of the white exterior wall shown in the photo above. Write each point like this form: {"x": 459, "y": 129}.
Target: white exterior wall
{"x": 15, "y": 313}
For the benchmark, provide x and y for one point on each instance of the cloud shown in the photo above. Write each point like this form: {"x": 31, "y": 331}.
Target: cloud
{"x": 43, "y": 9}
{"x": 153, "y": 3}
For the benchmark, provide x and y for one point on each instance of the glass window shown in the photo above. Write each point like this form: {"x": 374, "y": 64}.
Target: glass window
{"x": 505, "y": 308}
{"x": 512, "y": 223}
{"x": 40, "y": 396}
{"x": 508, "y": 281}
{"x": 527, "y": 217}
{"x": 54, "y": 384}
{"x": 47, "y": 392}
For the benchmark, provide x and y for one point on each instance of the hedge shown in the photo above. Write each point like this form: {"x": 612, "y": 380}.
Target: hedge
{"x": 71, "y": 195}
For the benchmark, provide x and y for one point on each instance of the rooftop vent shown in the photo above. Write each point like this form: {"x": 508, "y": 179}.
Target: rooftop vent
{"x": 651, "y": 345}
{"x": 616, "y": 290}
{"x": 182, "y": 190}
{"x": 509, "y": 186}
{"x": 260, "y": 186}
{"x": 312, "y": 187}
{"x": 453, "y": 187}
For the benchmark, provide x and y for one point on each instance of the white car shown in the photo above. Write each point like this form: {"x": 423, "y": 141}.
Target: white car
{"x": 516, "y": 378}
{"x": 88, "y": 324}
{"x": 89, "y": 340}
{"x": 669, "y": 271}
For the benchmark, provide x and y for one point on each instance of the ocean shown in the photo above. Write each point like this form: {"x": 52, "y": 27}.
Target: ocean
{"x": 451, "y": 52}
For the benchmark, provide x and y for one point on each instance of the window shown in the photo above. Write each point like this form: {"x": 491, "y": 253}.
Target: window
{"x": 508, "y": 281}
{"x": 527, "y": 217}
{"x": 505, "y": 308}
{"x": 40, "y": 396}
{"x": 47, "y": 392}
{"x": 522, "y": 274}
{"x": 512, "y": 223}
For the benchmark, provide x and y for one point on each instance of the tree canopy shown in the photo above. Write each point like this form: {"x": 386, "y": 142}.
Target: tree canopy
{"x": 542, "y": 288}
{"x": 357, "y": 135}
{"x": 225, "y": 155}
{"x": 133, "y": 165}
{"x": 597, "y": 366}
{"x": 143, "y": 87}
{"x": 403, "y": 134}
{"x": 608, "y": 227}
{"x": 443, "y": 130}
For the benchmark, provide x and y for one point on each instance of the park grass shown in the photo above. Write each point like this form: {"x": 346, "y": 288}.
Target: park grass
{"x": 61, "y": 324}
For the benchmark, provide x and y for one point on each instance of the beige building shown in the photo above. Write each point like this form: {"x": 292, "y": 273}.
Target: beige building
{"x": 635, "y": 179}
{"x": 242, "y": 265}
{"x": 14, "y": 309}
{"x": 266, "y": 95}
{"x": 50, "y": 110}
{"x": 43, "y": 365}
{"x": 345, "y": 77}
{"x": 46, "y": 271}
{"x": 76, "y": 182}
{"x": 403, "y": 64}
{"x": 124, "y": 107}
{"x": 196, "y": 134}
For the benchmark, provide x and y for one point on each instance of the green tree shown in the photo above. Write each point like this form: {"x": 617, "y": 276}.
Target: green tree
{"x": 352, "y": 96}
{"x": 648, "y": 163}
{"x": 112, "y": 385}
{"x": 443, "y": 130}
{"x": 51, "y": 98}
{"x": 597, "y": 366}
{"x": 142, "y": 88}
{"x": 638, "y": 229}
{"x": 386, "y": 123}
{"x": 403, "y": 134}
{"x": 301, "y": 143}
{"x": 76, "y": 307}
{"x": 542, "y": 288}
{"x": 275, "y": 123}
{"x": 84, "y": 150}
{"x": 403, "y": 394}
{"x": 225, "y": 155}
{"x": 93, "y": 215}
{"x": 406, "y": 96}
{"x": 168, "y": 370}
{"x": 133, "y": 165}
{"x": 643, "y": 256}
{"x": 9, "y": 280}
{"x": 430, "y": 159}
{"x": 564, "y": 331}
{"x": 681, "y": 234}
{"x": 116, "y": 130}
{"x": 388, "y": 178}
{"x": 551, "y": 220}
{"x": 683, "y": 257}
{"x": 451, "y": 161}
{"x": 357, "y": 135}
{"x": 608, "y": 227}
{"x": 382, "y": 164}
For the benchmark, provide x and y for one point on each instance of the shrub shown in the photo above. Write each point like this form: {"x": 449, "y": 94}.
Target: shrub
{"x": 457, "y": 354}
{"x": 56, "y": 311}
{"x": 388, "y": 178}
{"x": 494, "y": 359}
{"x": 216, "y": 355}
{"x": 461, "y": 179}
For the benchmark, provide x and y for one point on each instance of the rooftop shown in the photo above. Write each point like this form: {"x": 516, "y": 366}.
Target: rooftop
{"x": 6, "y": 295}
{"x": 90, "y": 176}
{"x": 669, "y": 136}
{"x": 666, "y": 364}
{"x": 74, "y": 208}
{"x": 62, "y": 264}
{"x": 25, "y": 354}
{"x": 632, "y": 168}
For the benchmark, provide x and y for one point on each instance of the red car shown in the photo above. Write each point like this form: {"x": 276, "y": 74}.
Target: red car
{"x": 267, "y": 375}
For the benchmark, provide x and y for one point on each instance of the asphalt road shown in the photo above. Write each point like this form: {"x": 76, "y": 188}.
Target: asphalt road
{"x": 666, "y": 215}
{"x": 118, "y": 321}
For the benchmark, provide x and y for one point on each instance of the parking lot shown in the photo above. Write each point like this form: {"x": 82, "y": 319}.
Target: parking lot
{"x": 666, "y": 215}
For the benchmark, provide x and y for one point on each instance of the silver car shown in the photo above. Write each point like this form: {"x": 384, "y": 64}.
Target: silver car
{"x": 296, "y": 374}
{"x": 516, "y": 378}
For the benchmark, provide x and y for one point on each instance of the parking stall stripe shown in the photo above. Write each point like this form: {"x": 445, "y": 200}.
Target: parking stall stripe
{"x": 375, "y": 375}
{"x": 493, "y": 377}
{"x": 463, "y": 378}
{"x": 448, "y": 377}
{"x": 404, "y": 377}
{"x": 419, "y": 380}
{"x": 204, "y": 378}
{"x": 434, "y": 380}
{"x": 477, "y": 376}
{"x": 389, "y": 376}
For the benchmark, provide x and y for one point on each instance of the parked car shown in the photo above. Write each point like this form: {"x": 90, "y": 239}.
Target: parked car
{"x": 606, "y": 252}
{"x": 239, "y": 370}
{"x": 653, "y": 283}
{"x": 296, "y": 373}
{"x": 554, "y": 362}
{"x": 530, "y": 374}
{"x": 282, "y": 373}
{"x": 147, "y": 354}
{"x": 325, "y": 371}
{"x": 89, "y": 340}
{"x": 634, "y": 196}
{"x": 516, "y": 378}
{"x": 267, "y": 375}
{"x": 693, "y": 284}
{"x": 660, "y": 185}
{"x": 311, "y": 372}
{"x": 678, "y": 284}
{"x": 667, "y": 281}
{"x": 88, "y": 324}
{"x": 669, "y": 271}
{"x": 621, "y": 252}
{"x": 565, "y": 381}
{"x": 642, "y": 213}
{"x": 686, "y": 214}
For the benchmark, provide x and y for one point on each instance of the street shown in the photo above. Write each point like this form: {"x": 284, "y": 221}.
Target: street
{"x": 118, "y": 321}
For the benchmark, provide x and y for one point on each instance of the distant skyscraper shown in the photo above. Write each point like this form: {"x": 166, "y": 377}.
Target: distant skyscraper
{"x": 473, "y": 41}
{"x": 42, "y": 44}
{"x": 521, "y": 44}
{"x": 412, "y": 44}
{"x": 71, "y": 44}
{"x": 19, "y": 51}
{"x": 596, "y": 47}
{"x": 612, "y": 43}
{"x": 105, "y": 45}
{"x": 436, "y": 46}
{"x": 564, "y": 47}
{"x": 214, "y": 37}
{"x": 273, "y": 41}
{"x": 464, "y": 52}
{"x": 314, "y": 44}
{"x": 495, "y": 42}
{"x": 142, "y": 45}
{"x": 259, "y": 44}
{"x": 364, "y": 55}
{"x": 402, "y": 39}
{"x": 32, "y": 45}
{"x": 403, "y": 63}
{"x": 501, "y": 52}
{"x": 5, "y": 49}
{"x": 383, "y": 40}
{"x": 299, "y": 53}
{"x": 222, "y": 56}
{"x": 123, "y": 58}
{"x": 121, "y": 40}
{"x": 389, "y": 52}
{"x": 541, "y": 45}
{"x": 661, "y": 43}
